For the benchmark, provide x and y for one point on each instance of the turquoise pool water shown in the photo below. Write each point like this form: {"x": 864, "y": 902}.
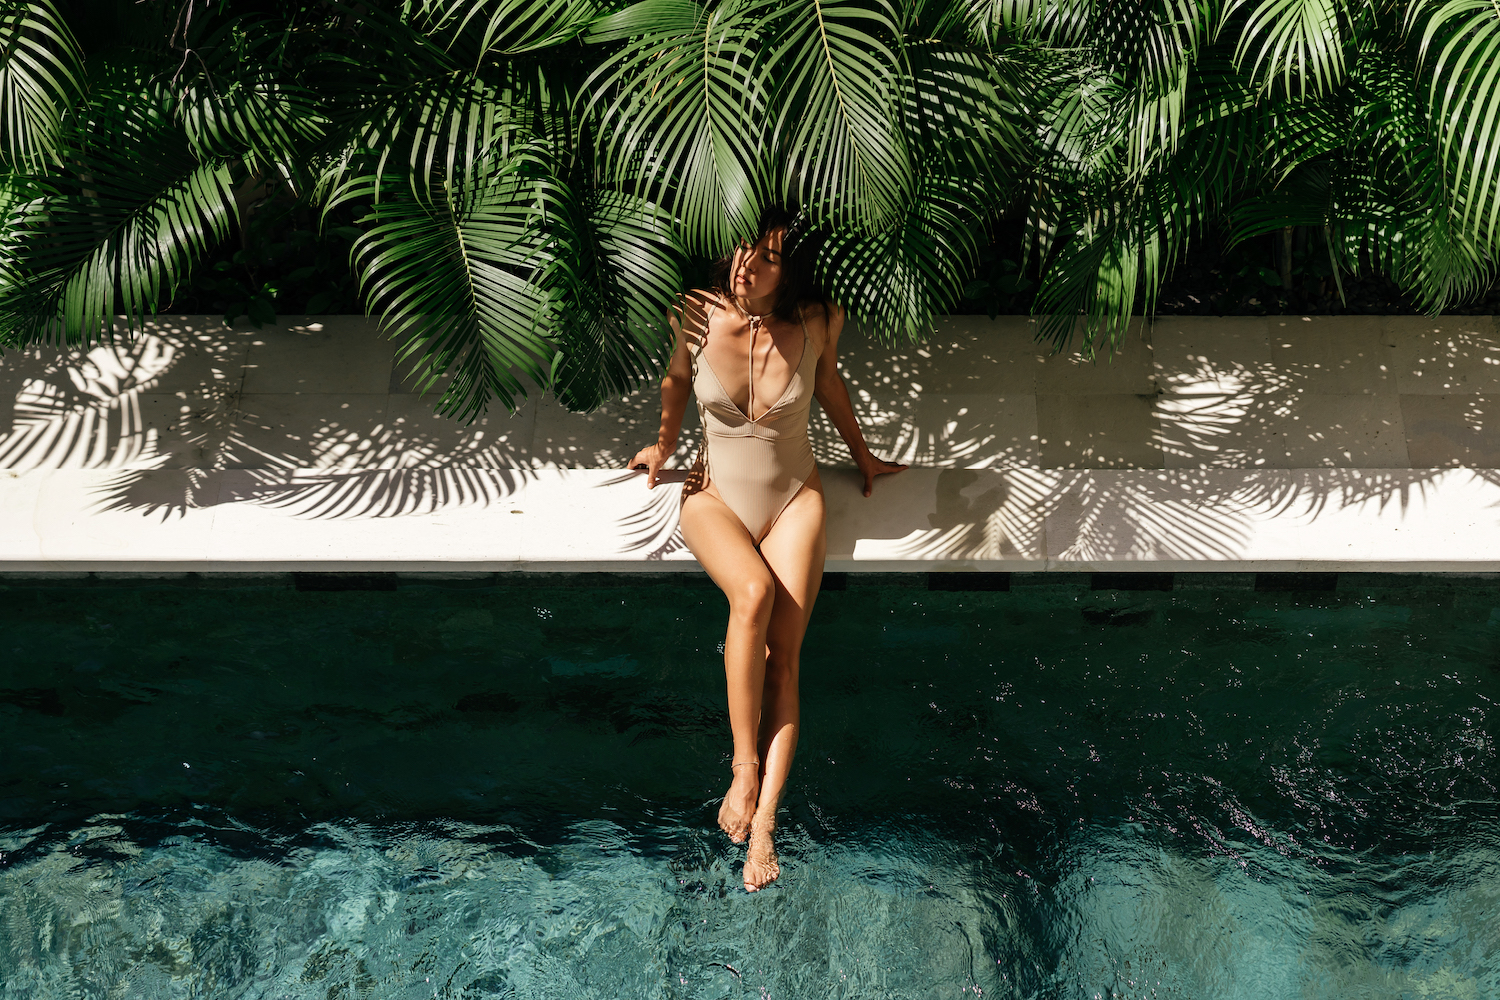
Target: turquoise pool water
{"x": 509, "y": 791}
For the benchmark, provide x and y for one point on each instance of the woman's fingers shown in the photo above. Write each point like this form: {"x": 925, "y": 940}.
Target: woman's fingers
{"x": 879, "y": 469}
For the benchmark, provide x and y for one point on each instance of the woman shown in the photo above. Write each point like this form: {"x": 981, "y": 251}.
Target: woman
{"x": 756, "y": 352}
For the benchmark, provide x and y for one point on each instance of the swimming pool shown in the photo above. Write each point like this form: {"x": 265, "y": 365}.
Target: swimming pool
{"x": 508, "y": 789}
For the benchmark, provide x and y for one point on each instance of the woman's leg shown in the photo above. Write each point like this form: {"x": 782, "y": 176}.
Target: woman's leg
{"x": 723, "y": 548}
{"x": 793, "y": 551}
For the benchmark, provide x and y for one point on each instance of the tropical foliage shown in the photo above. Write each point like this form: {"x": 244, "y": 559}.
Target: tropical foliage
{"x": 522, "y": 187}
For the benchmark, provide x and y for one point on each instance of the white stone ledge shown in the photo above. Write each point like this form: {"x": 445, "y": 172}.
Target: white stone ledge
{"x": 491, "y": 520}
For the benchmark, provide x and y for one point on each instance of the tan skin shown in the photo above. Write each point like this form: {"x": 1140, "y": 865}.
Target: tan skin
{"x": 771, "y": 587}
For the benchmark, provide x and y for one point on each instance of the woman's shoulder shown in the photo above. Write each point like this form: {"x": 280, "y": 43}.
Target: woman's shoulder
{"x": 696, "y": 305}
{"x": 820, "y": 315}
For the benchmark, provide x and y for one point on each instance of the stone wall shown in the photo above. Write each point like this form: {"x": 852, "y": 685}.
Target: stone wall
{"x": 1205, "y": 441}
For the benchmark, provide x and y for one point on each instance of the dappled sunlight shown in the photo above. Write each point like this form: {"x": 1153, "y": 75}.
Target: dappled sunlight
{"x": 651, "y": 531}
{"x": 168, "y": 410}
{"x": 80, "y": 412}
{"x": 1252, "y": 424}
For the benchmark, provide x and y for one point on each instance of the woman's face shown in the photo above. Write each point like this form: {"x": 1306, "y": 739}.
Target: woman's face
{"x": 757, "y": 269}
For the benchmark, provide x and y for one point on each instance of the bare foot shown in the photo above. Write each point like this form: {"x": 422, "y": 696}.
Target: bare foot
{"x": 739, "y": 803}
{"x": 761, "y": 867}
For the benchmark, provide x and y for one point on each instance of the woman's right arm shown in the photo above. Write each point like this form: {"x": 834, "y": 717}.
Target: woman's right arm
{"x": 676, "y": 385}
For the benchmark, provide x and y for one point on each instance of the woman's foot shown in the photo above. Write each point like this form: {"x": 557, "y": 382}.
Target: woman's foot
{"x": 739, "y": 803}
{"x": 761, "y": 867}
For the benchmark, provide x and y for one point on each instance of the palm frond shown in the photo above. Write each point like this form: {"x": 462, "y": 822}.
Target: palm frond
{"x": 839, "y": 66}
{"x": 1461, "y": 42}
{"x": 681, "y": 114}
{"x": 616, "y": 269}
{"x": 120, "y": 229}
{"x": 1299, "y": 44}
{"x": 452, "y": 274}
{"x": 477, "y": 30}
{"x": 41, "y": 74}
{"x": 894, "y": 282}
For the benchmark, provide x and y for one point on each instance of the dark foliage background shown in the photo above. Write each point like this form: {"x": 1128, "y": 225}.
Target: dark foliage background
{"x": 520, "y": 189}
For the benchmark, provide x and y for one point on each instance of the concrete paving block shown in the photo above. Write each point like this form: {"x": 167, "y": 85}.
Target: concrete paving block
{"x": 939, "y": 430}
{"x": 1098, "y": 518}
{"x": 1461, "y": 430}
{"x": 19, "y": 493}
{"x": 1332, "y": 354}
{"x": 1098, "y": 431}
{"x": 312, "y": 430}
{"x": 1230, "y": 430}
{"x": 1128, "y": 368}
{"x": 420, "y": 437}
{"x": 388, "y": 517}
{"x": 964, "y": 354}
{"x": 184, "y": 430}
{"x": 204, "y": 352}
{"x": 609, "y": 437}
{"x": 949, "y": 518}
{"x": 82, "y": 514}
{"x": 321, "y": 354}
{"x": 1352, "y": 431}
{"x": 600, "y": 516}
{"x": 1441, "y": 355}
{"x": 1213, "y": 355}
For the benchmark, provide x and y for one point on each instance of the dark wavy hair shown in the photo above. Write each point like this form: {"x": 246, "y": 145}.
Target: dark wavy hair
{"x": 799, "y": 251}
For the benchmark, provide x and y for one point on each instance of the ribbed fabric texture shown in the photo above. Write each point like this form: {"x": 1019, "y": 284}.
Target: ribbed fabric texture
{"x": 756, "y": 465}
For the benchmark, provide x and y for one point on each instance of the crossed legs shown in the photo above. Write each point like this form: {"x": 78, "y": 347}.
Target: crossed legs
{"x": 771, "y": 593}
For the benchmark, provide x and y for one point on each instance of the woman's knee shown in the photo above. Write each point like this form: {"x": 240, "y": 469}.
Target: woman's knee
{"x": 751, "y": 599}
{"x": 781, "y": 668}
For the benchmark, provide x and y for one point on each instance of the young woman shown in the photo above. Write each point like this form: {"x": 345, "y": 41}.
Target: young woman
{"x": 755, "y": 350}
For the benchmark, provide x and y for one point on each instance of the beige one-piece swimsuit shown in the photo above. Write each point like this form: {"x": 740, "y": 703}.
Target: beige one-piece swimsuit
{"x": 757, "y": 465}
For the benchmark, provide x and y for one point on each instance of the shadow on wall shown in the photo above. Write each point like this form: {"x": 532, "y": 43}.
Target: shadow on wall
{"x": 169, "y": 410}
{"x": 1026, "y": 440}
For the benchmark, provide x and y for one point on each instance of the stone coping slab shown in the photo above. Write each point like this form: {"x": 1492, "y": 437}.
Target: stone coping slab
{"x": 923, "y": 520}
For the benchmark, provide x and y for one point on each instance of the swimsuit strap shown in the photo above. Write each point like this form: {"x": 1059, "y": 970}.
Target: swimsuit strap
{"x": 702, "y": 339}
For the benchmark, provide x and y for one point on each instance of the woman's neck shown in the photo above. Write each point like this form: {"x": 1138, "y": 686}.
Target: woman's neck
{"x": 761, "y": 306}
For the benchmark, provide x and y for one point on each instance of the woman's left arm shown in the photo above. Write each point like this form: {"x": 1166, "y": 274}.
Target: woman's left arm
{"x": 833, "y": 396}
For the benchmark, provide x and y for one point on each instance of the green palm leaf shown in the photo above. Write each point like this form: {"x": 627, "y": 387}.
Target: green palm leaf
{"x": 896, "y": 281}
{"x": 452, "y": 273}
{"x": 1298, "y": 43}
{"x": 839, "y": 134}
{"x": 41, "y": 69}
{"x": 681, "y": 114}
{"x": 1461, "y": 41}
{"x": 482, "y": 29}
{"x": 616, "y": 270}
{"x": 120, "y": 230}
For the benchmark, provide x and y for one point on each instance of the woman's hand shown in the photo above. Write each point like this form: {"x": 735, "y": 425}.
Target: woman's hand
{"x": 651, "y": 458}
{"x": 871, "y": 467}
